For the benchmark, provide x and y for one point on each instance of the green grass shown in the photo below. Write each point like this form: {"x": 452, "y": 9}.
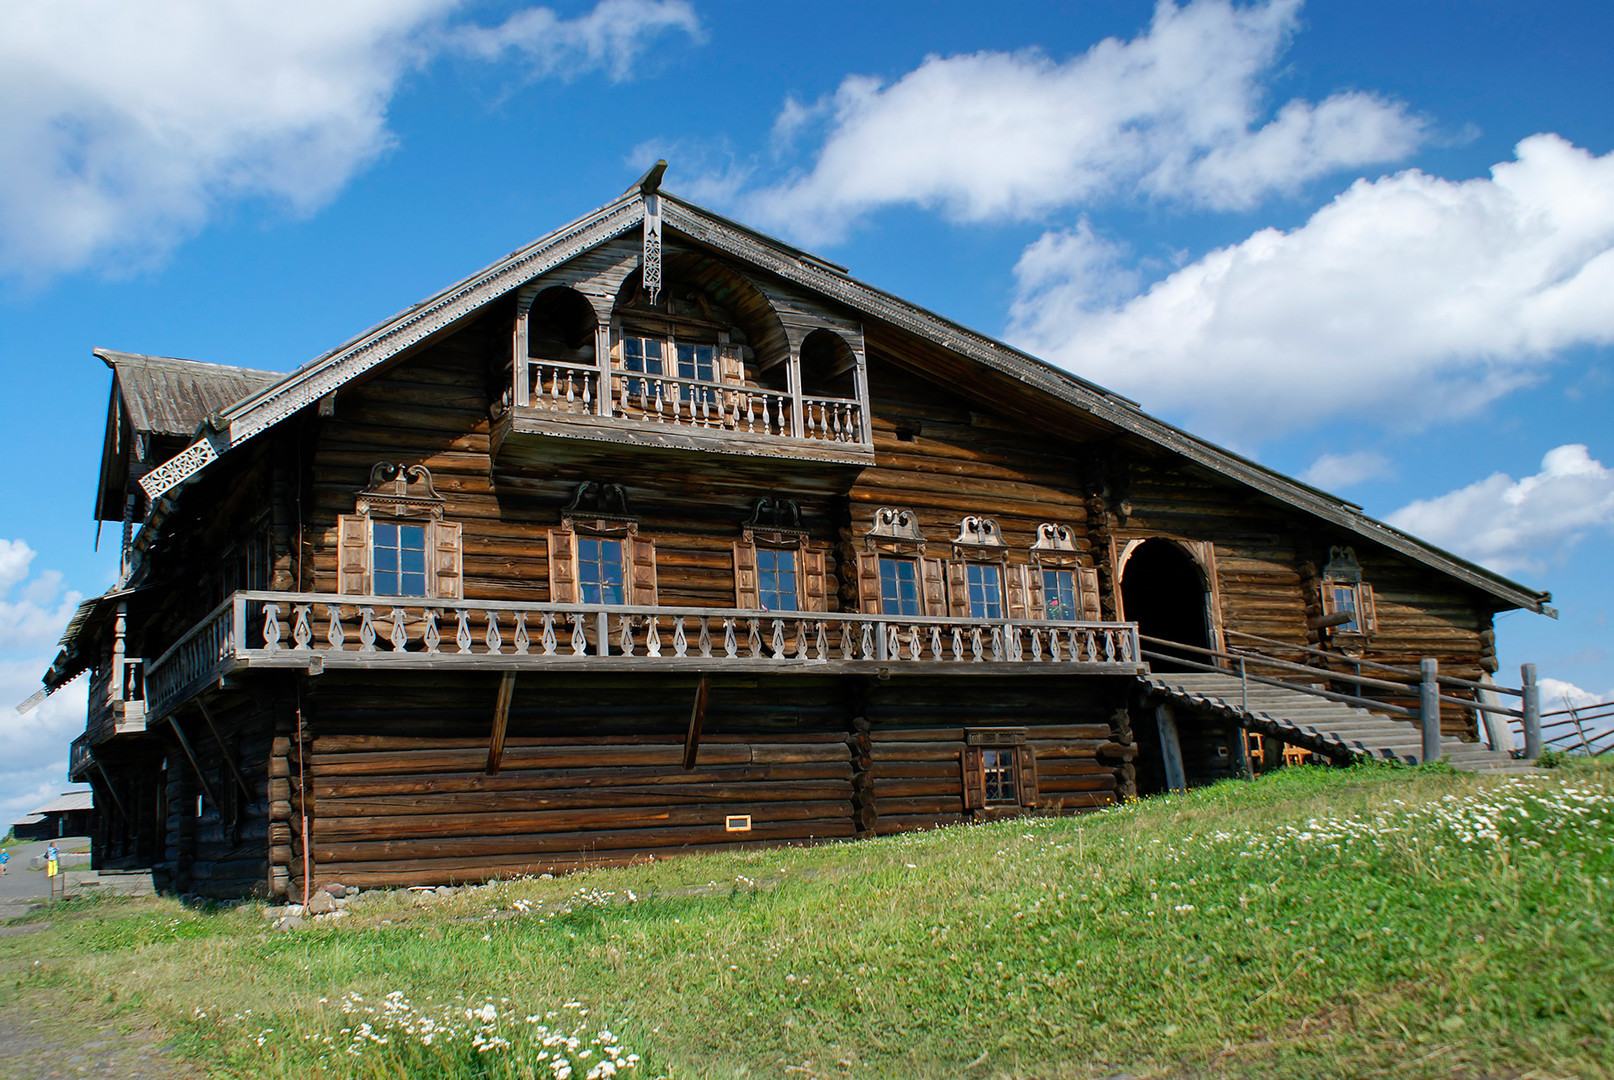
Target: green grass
{"x": 1316, "y": 923}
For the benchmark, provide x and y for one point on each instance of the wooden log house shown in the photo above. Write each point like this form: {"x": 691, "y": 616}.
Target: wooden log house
{"x": 661, "y": 535}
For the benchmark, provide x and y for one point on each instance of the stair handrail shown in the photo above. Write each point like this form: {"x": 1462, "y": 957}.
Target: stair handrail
{"x": 1413, "y": 674}
{"x": 1372, "y": 704}
{"x": 1302, "y": 669}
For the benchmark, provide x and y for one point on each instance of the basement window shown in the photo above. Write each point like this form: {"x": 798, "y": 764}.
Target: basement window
{"x": 999, "y": 783}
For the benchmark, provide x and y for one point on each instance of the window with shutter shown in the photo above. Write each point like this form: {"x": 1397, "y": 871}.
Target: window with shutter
{"x": 958, "y": 590}
{"x": 642, "y": 565}
{"x": 1017, "y": 584}
{"x": 747, "y": 597}
{"x": 974, "y": 788}
{"x": 562, "y": 566}
{"x": 899, "y": 586}
{"x": 777, "y": 579}
{"x": 814, "y": 580}
{"x": 1028, "y": 776}
{"x": 935, "y": 586}
{"x": 446, "y": 537}
{"x": 353, "y": 555}
{"x": 1092, "y": 608}
{"x": 870, "y": 583}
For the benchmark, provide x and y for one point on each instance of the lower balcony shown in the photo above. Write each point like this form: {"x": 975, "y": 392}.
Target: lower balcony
{"x": 317, "y": 632}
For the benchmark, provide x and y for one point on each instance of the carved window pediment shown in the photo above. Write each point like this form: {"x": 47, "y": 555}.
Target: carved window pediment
{"x": 895, "y": 530}
{"x": 398, "y": 490}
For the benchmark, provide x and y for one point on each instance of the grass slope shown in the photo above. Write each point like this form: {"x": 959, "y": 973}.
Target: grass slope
{"x": 1314, "y": 923}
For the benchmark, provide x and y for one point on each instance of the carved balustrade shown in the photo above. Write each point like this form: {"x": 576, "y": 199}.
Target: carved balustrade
{"x": 321, "y": 631}
{"x": 562, "y": 387}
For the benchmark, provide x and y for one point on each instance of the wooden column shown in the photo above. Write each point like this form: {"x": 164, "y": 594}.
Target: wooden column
{"x": 1532, "y": 712}
{"x": 501, "y": 720}
{"x": 793, "y": 382}
{"x": 1429, "y": 708}
{"x": 1170, "y": 749}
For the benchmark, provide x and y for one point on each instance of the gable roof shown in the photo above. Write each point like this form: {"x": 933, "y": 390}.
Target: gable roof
{"x": 162, "y": 396}
{"x": 268, "y": 406}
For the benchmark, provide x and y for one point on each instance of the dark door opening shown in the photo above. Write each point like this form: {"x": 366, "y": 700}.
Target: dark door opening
{"x": 1163, "y": 592}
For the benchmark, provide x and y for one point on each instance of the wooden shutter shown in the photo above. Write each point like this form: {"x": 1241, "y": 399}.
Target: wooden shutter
{"x": 868, "y": 582}
{"x": 353, "y": 555}
{"x": 1017, "y": 590}
{"x": 448, "y": 560}
{"x": 1327, "y": 591}
{"x": 814, "y": 578}
{"x": 974, "y": 781}
{"x": 1367, "y": 613}
{"x": 1087, "y": 582}
{"x": 747, "y": 595}
{"x": 1036, "y": 597}
{"x": 958, "y": 590}
{"x": 641, "y": 556}
{"x": 933, "y": 586}
{"x": 731, "y": 365}
{"x": 562, "y": 566}
{"x": 1027, "y": 775}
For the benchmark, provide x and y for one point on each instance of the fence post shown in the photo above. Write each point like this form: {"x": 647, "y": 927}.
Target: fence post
{"x": 1429, "y": 708}
{"x": 1532, "y": 713}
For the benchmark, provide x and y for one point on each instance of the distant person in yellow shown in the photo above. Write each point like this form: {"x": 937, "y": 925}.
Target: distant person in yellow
{"x": 52, "y": 855}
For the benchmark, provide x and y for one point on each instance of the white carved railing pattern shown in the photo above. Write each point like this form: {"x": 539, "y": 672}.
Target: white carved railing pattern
{"x": 272, "y": 627}
{"x": 561, "y": 386}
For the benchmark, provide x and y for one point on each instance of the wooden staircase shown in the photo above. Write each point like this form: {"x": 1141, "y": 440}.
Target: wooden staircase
{"x": 1332, "y": 728}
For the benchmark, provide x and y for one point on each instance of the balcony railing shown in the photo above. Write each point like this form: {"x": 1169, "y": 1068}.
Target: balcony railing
{"x": 318, "y": 631}
{"x": 693, "y": 404}
{"x": 116, "y": 704}
{"x": 78, "y": 759}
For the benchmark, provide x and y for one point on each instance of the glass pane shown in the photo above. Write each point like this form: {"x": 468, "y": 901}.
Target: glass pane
{"x": 386, "y": 560}
{"x": 652, "y": 356}
{"x": 413, "y": 585}
{"x": 1059, "y": 593}
{"x": 986, "y": 591}
{"x": 414, "y": 560}
{"x": 385, "y": 535}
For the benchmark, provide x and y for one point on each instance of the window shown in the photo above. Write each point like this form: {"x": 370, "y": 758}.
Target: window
{"x": 1346, "y": 596}
{"x": 985, "y": 583}
{"x": 398, "y": 556}
{"x": 599, "y": 570}
{"x": 697, "y": 362}
{"x": 899, "y": 586}
{"x": 998, "y": 777}
{"x": 641, "y": 354}
{"x": 776, "y": 579}
{"x": 999, "y": 770}
{"x": 1059, "y": 594}
{"x": 1344, "y": 602}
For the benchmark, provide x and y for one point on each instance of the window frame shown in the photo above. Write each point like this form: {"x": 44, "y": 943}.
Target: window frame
{"x": 624, "y": 569}
{"x": 774, "y": 552}
{"x": 912, "y": 563}
{"x": 400, "y": 524}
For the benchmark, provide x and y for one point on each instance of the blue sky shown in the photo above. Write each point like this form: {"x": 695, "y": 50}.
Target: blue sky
{"x": 1367, "y": 244}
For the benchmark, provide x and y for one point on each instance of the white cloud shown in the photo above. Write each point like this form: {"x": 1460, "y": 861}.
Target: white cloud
{"x": 1334, "y": 472}
{"x": 611, "y": 37}
{"x": 1557, "y": 694}
{"x": 127, "y": 126}
{"x": 33, "y": 612}
{"x": 1175, "y": 113}
{"x": 1512, "y": 525}
{"x": 1406, "y": 299}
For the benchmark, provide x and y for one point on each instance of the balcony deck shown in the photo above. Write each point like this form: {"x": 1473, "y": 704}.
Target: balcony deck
{"x": 558, "y": 399}
{"x": 320, "y": 631}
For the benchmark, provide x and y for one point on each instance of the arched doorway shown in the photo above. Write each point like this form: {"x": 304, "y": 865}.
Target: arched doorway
{"x": 1163, "y": 591}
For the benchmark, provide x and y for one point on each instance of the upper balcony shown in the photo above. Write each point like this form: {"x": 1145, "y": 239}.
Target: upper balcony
{"x": 318, "y": 632}
{"x": 681, "y": 377}
{"x": 117, "y": 704}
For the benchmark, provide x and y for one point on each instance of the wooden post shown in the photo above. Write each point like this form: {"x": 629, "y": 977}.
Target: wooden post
{"x": 1532, "y": 713}
{"x": 224, "y": 750}
{"x": 501, "y": 720}
{"x": 1429, "y": 708}
{"x": 1170, "y": 748}
{"x": 185, "y": 745}
{"x": 602, "y": 356}
{"x": 518, "y": 355}
{"x": 1241, "y": 750}
{"x": 793, "y": 385}
{"x": 697, "y": 716}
